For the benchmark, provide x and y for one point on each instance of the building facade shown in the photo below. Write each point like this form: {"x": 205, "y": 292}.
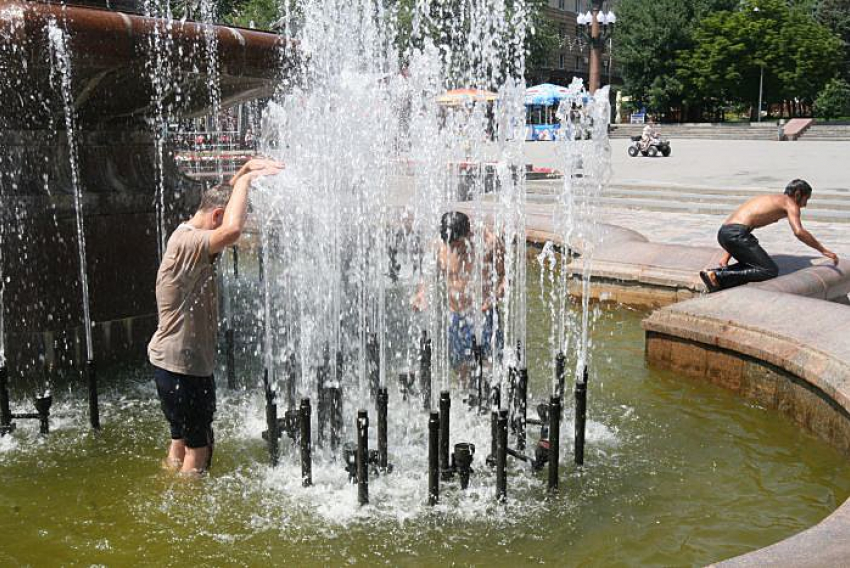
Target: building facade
{"x": 571, "y": 57}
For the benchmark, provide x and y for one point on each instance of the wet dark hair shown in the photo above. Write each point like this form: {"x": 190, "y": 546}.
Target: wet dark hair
{"x": 798, "y": 189}
{"x": 215, "y": 197}
{"x": 454, "y": 226}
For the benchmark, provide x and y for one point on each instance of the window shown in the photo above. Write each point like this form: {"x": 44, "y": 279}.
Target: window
{"x": 562, "y": 4}
{"x": 561, "y": 61}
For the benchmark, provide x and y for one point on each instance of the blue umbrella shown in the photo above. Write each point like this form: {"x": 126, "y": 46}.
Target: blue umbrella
{"x": 546, "y": 94}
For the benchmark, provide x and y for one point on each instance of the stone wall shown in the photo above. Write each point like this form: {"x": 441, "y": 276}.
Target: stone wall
{"x": 767, "y": 385}
{"x": 41, "y": 262}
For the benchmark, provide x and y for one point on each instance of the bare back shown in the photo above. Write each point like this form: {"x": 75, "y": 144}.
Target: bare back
{"x": 762, "y": 210}
{"x": 458, "y": 263}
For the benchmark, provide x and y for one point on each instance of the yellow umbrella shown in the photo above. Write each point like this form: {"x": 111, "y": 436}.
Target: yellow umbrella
{"x": 457, "y": 97}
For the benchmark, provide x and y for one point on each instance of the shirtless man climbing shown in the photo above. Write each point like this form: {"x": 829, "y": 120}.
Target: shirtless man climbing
{"x": 736, "y": 238}
{"x": 456, "y": 259}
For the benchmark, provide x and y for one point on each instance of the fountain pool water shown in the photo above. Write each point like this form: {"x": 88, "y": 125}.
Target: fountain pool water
{"x": 677, "y": 473}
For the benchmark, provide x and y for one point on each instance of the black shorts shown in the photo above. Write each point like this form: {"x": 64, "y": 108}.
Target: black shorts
{"x": 188, "y": 404}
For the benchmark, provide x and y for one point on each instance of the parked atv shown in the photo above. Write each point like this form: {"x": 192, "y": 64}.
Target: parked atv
{"x": 656, "y": 147}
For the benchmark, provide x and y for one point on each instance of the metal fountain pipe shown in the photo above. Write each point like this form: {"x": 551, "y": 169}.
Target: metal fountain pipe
{"x": 335, "y": 401}
{"x": 322, "y": 411}
{"x": 494, "y": 437}
{"x": 383, "y": 401}
{"x": 272, "y": 425}
{"x": 495, "y": 405}
{"x": 478, "y": 351}
{"x": 261, "y": 263}
{"x": 560, "y": 373}
{"x": 521, "y": 408}
{"x": 5, "y": 410}
{"x": 445, "y": 409}
{"x": 554, "y": 440}
{"x": 425, "y": 369}
{"x": 362, "y": 457}
{"x": 502, "y": 457}
{"x": 581, "y": 417}
{"x": 94, "y": 407}
{"x": 306, "y": 443}
{"x": 291, "y": 367}
{"x": 462, "y": 457}
{"x": 42, "y": 407}
{"x": 434, "y": 423}
{"x": 335, "y": 394}
{"x": 235, "y": 251}
{"x": 230, "y": 357}
{"x": 373, "y": 354}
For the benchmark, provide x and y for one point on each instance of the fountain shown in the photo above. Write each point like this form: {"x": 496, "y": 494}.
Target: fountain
{"x": 355, "y": 437}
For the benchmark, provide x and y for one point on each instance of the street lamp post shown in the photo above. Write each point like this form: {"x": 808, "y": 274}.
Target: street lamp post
{"x": 761, "y": 78}
{"x": 596, "y": 27}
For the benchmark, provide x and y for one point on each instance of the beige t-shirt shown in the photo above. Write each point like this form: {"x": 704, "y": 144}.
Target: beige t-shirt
{"x": 187, "y": 302}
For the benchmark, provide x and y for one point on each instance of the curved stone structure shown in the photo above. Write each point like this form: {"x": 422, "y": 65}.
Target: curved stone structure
{"x": 780, "y": 342}
{"x": 111, "y": 54}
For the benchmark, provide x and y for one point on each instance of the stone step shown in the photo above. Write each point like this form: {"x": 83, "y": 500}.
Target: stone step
{"x": 821, "y": 202}
{"x": 826, "y": 132}
{"x": 708, "y": 208}
{"x": 828, "y": 216}
{"x": 671, "y": 190}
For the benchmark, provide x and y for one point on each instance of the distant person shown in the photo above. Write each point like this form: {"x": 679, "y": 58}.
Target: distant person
{"x": 736, "y": 238}
{"x": 182, "y": 349}
{"x": 650, "y": 135}
{"x": 456, "y": 259}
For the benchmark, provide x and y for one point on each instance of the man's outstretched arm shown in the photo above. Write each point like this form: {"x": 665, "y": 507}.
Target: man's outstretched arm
{"x": 237, "y": 207}
{"x": 806, "y": 237}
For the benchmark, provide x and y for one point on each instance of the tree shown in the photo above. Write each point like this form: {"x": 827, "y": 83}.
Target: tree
{"x": 834, "y": 100}
{"x": 733, "y": 49}
{"x": 542, "y": 38}
{"x": 648, "y": 36}
{"x": 835, "y": 14}
{"x": 259, "y": 14}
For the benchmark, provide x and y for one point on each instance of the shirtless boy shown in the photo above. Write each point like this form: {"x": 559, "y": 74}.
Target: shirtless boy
{"x": 456, "y": 259}
{"x": 736, "y": 238}
{"x": 182, "y": 349}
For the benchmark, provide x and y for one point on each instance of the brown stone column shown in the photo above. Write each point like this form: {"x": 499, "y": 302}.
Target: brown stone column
{"x": 595, "y": 48}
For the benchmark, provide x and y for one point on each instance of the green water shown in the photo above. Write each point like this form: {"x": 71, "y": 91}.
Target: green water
{"x": 677, "y": 473}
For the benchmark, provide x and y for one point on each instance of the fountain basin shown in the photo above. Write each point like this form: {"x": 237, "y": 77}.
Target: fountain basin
{"x": 109, "y": 57}
{"x": 677, "y": 472}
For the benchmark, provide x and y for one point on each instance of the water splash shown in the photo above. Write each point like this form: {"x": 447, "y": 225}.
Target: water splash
{"x": 61, "y": 75}
{"x": 161, "y": 73}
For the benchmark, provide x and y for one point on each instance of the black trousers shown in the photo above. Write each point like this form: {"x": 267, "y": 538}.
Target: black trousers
{"x": 754, "y": 264}
{"x": 188, "y": 404}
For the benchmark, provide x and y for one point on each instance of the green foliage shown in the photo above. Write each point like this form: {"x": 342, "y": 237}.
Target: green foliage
{"x": 834, "y": 100}
{"x": 648, "y": 36}
{"x": 259, "y": 14}
{"x": 542, "y": 37}
{"x": 798, "y": 56}
{"x": 835, "y": 14}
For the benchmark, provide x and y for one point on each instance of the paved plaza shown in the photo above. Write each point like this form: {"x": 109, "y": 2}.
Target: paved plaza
{"x": 684, "y": 199}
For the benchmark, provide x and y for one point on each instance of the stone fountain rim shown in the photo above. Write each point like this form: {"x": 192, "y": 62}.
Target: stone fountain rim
{"x": 828, "y": 542}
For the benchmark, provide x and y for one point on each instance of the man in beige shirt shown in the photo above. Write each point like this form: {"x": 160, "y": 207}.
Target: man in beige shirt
{"x": 182, "y": 349}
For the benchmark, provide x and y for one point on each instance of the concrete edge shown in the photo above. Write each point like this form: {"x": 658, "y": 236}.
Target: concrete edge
{"x": 828, "y": 542}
